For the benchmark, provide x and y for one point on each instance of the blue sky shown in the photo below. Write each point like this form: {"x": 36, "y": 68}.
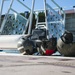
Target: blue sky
{"x": 66, "y": 4}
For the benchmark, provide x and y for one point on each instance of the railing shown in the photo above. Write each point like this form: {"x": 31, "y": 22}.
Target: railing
{"x": 6, "y": 15}
{"x": 1, "y": 7}
{"x": 60, "y": 19}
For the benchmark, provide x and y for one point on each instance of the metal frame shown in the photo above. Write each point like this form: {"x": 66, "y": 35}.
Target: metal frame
{"x": 5, "y": 18}
{"x": 29, "y": 21}
{"x": 46, "y": 23}
{"x": 31, "y": 17}
{"x": 1, "y": 7}
{"x": 60, "y": 10}
{"x": 10, "y": 8}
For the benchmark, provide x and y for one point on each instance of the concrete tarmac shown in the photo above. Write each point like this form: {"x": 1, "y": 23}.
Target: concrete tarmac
{"x": 17, "y": 64}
